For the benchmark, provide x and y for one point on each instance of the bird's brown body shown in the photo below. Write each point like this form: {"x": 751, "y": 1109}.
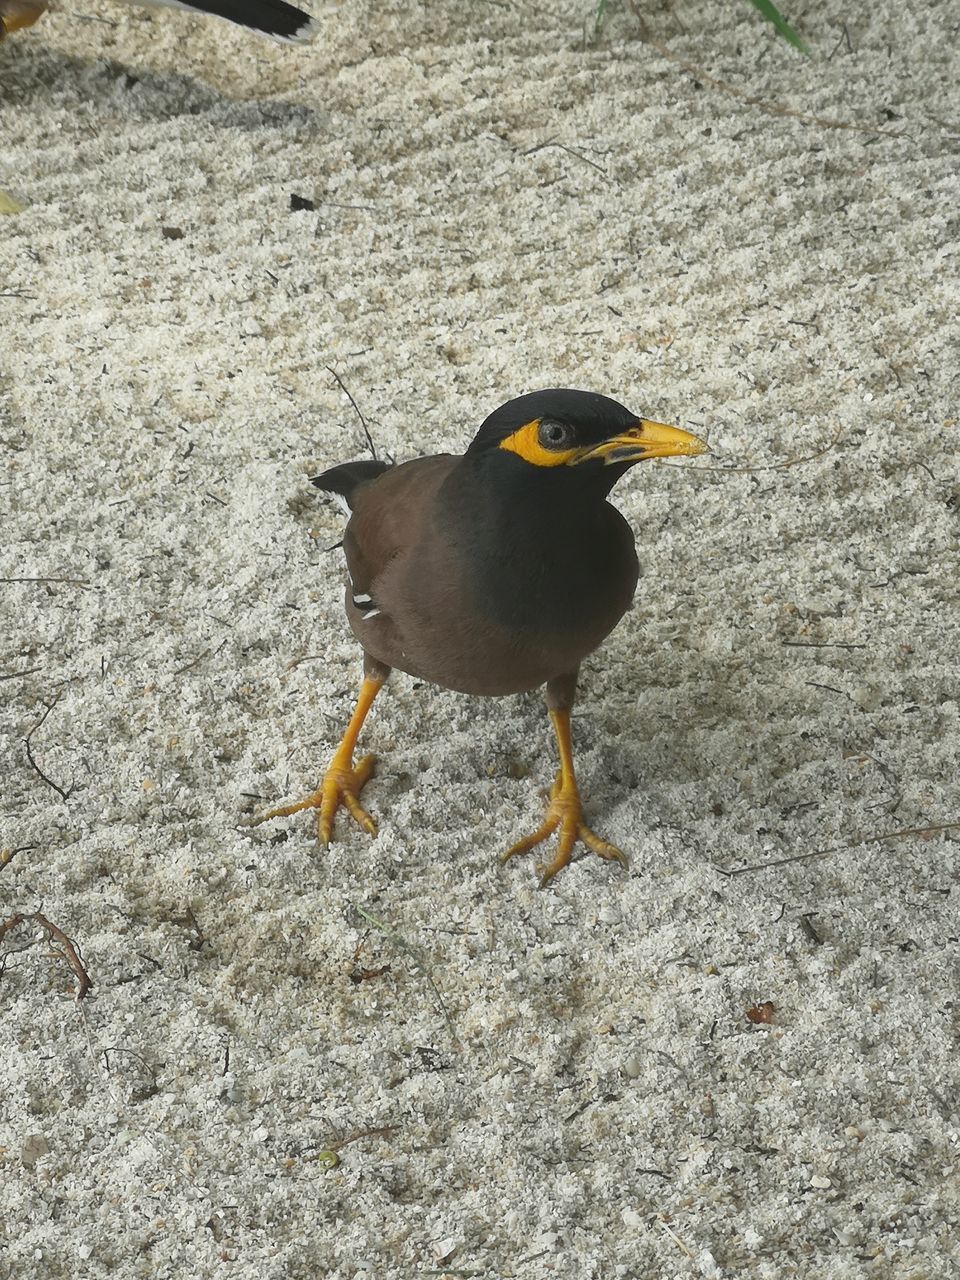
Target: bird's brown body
{"x": 491, "y": 573}
{"x": 475, "y": 592}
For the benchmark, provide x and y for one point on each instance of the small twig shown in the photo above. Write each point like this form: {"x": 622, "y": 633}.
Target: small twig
{"x": 64, "y": 795}
{"x": 578, "y": 1111}
{"x": 413, "y": 953}
{"x": 773, "y": 107}
{"x": 328, "y": 1157}
{"x": 356, "y": 408}
{"x": 562, "y": 146}
{"x": 207, "y": 653}
{"x": 118, "y": 1048}
{"x": 829, "y": 688}
{"x": 75, "y": 582}
{"x": 820, "y": 644}
{"x": 532, "y": 151}
{"x": 12, "y": 675}
{"x": 336, "y": 204}
{"x": 770, "y": 466}
{"x": 452, "y": 1271}
{"x": 590, "y": 1102}
{"x": 12, "y": 923}
{"x": 87, "y": 17}
{"x": 83, "y": 978}
{"x": 922, "y": 465}
{"x": 385, "y": 1131}
{"x": 840, "y": 848}
{"x": 360, "y": 973}
{"x": 889, "y": 775}
{"x": 307, "y": 657}
{"x": 844, "y": 37}
{"x": 806, "y": 924}
{"x": 190, "y": 920}
{"x": 676, "y": 1239}
{"x": 783, "y": 862}
{"x": 579, "y": 156}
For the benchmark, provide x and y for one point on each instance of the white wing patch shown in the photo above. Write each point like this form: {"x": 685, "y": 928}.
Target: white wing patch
{"x": 365, "y": 604}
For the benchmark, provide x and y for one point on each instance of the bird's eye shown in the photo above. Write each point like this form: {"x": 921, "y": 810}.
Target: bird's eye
{"x": 555, "y": 435}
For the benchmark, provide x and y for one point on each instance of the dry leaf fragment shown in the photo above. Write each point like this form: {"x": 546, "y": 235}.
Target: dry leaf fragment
{"x": 762, "y": 1012}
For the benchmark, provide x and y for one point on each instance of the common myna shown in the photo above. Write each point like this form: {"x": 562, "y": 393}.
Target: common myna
{"x": 273, "y": 18}
{"x": 493, "y": 572}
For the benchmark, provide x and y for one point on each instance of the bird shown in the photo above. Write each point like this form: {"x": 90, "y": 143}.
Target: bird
{"x": 493, "y": 572}
{"x": 274, "y": 18}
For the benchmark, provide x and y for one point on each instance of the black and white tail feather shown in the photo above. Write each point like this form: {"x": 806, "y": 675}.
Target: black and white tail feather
{"x": 342, "y": 483}
{"x": 343, "y": 480}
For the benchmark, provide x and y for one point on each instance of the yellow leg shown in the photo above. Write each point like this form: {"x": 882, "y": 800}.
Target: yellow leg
{"x": 343, "y": 781}
{"x": 565, "y": 811}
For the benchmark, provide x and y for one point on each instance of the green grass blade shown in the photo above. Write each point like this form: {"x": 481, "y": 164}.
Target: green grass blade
{"x": 773, "y": 14}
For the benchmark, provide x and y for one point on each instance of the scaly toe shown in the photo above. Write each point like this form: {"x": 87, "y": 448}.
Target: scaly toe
{"x": 341, "y": 786}
{"x": 566, "y": 814}
{"x": 569, "y": 830}
{"x": 602, "y": 848}
{"x": 531, "y": 841}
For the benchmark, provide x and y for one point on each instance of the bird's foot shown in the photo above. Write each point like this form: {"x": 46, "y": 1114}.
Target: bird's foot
{"x": 341, "y": 785}
{"x": 566, "y": 813}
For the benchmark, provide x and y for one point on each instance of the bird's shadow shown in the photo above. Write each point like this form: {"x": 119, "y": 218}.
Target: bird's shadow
{"x": 32, "y": 72}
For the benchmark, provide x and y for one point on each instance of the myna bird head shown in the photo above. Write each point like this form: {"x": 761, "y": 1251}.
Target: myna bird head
{"x": 578, "y": 433}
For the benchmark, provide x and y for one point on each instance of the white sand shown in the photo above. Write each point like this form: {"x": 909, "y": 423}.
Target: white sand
{"x": 498, "y": 208}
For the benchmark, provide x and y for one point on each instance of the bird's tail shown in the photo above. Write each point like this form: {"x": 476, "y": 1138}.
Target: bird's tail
{"x": 274, "y": 18}
{"x": 343, "y": 480}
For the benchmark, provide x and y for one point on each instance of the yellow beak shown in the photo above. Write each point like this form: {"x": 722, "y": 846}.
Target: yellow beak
{"x": 645, "y": 440}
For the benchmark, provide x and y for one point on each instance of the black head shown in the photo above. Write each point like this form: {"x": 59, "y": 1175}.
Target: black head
{"x": 561, "y": 429}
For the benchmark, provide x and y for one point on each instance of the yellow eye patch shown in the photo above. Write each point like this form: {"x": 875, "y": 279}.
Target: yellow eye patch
{"x": 525, "y": 442}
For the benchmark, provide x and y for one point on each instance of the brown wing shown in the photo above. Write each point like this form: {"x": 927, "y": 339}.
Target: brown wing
{"x": 387, "y": 521}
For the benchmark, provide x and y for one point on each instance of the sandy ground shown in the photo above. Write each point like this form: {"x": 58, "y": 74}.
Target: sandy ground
{"x": 516, "y": 1083}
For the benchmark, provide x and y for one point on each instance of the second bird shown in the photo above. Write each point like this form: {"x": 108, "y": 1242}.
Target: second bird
{"x": 493, "y": 572}
{"x": 274, "y": 18}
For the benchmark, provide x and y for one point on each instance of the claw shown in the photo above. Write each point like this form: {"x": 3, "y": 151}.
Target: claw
{"x": 566, "y": 812}
{"x": 343, "y": 781}
{"x": 341, "y": 785}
